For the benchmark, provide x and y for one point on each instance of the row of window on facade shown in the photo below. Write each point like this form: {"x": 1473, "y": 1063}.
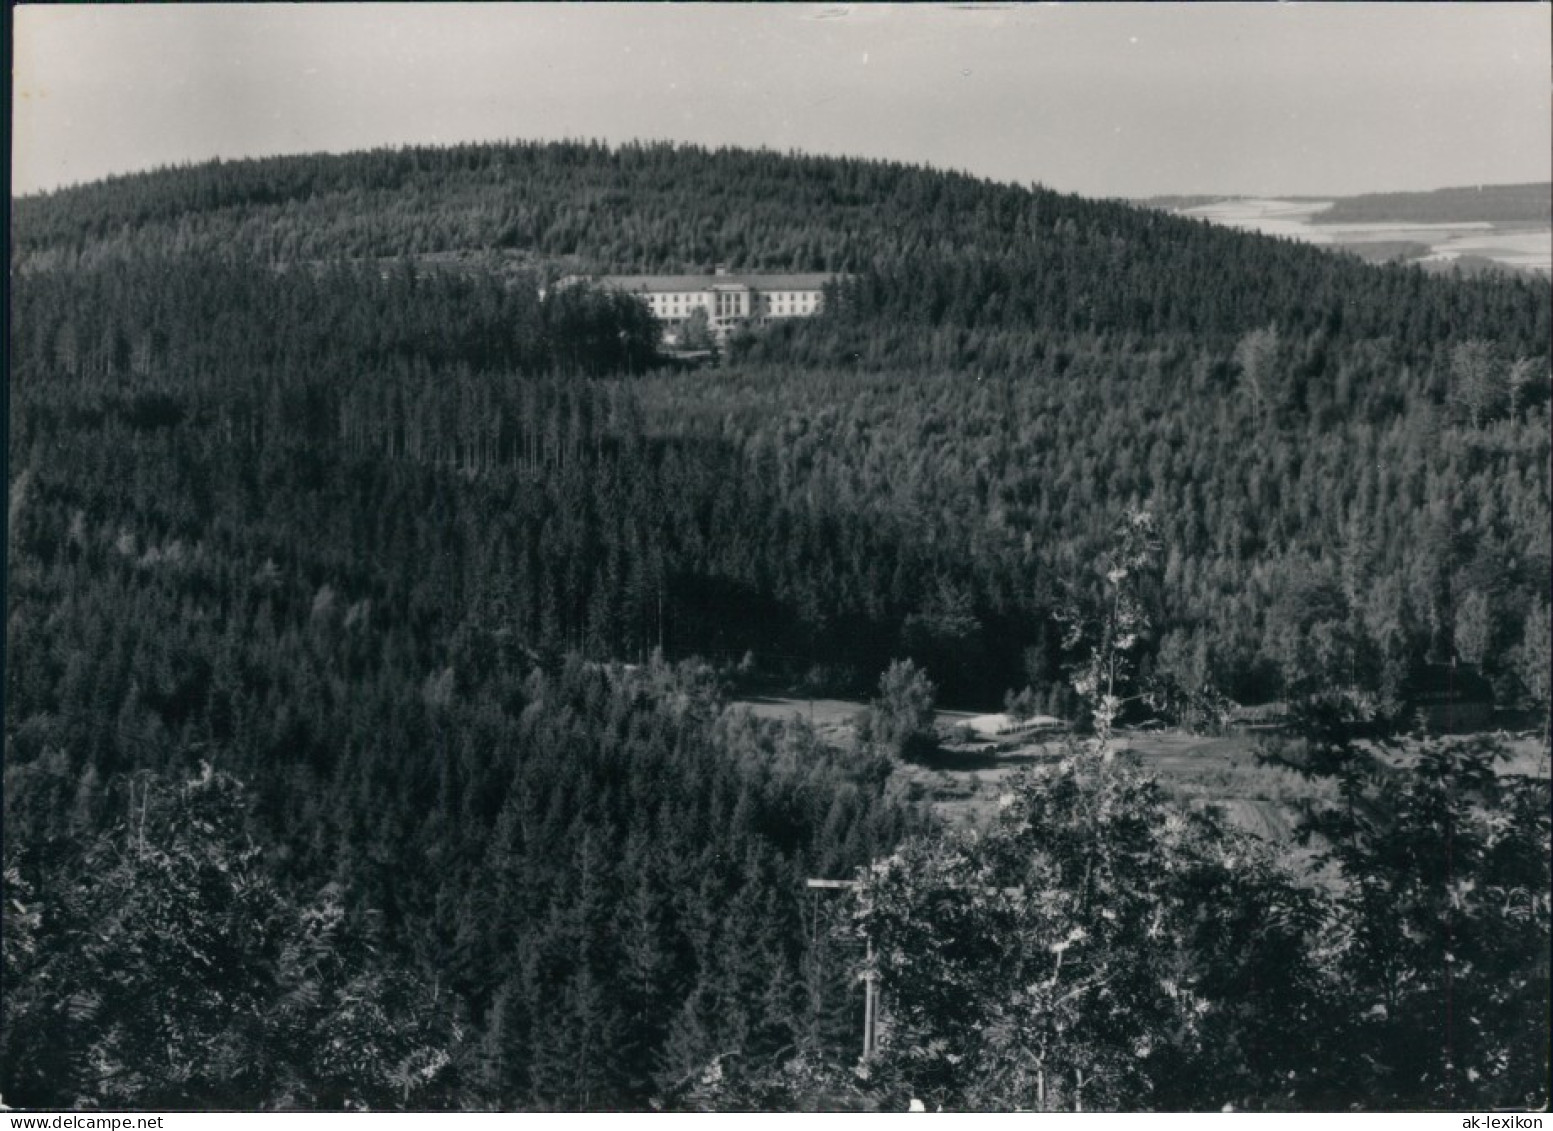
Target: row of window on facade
{"x": 727, "y": 299}
{"x": 735, "y": 303}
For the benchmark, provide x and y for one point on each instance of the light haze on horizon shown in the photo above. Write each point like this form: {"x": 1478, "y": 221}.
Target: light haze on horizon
{"x": 1126, "y": 100}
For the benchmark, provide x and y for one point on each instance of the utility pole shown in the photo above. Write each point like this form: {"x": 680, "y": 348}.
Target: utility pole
{"x": 870, "y": 987}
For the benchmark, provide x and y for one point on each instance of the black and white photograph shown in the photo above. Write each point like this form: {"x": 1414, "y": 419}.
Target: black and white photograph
{"x": 778, "y": 558}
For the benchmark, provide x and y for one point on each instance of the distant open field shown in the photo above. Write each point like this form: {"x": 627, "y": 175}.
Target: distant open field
{"x": 1222, "y": 772}
{"x": 963, "y": 784}
{"x": 1200, "y": 770}
{"x": 1524, "y": 244}
{"x": 824, "y": 714}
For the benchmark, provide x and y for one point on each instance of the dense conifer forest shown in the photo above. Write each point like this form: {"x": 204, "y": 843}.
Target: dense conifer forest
{"x": 373, "y": 625}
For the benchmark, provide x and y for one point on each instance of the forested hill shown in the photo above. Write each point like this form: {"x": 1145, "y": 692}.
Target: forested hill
{"x": 1289, "y": 414}
{"x": 370, "y": 630}
{"x": 1528, "y": 203}
{"x": 962, "y": 249}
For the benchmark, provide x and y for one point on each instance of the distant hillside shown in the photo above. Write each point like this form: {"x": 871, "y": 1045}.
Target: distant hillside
{"x": 1500, "y": 204}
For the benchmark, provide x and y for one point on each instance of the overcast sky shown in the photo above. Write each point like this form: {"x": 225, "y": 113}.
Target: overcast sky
{"x": 1102, "y": 99}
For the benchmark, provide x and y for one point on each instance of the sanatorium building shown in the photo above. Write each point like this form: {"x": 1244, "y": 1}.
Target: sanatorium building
{"x": 729, "y": 299}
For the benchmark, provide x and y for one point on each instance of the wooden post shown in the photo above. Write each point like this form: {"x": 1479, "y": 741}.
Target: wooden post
{"x": 870, "y": 988}
{"x": 870, "y": 1008}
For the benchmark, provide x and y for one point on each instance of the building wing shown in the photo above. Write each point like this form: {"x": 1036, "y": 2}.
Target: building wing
{"x": 729, "y": 299}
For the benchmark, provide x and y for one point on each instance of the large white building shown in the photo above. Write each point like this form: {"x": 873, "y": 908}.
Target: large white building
{"x": 729, "y": 299}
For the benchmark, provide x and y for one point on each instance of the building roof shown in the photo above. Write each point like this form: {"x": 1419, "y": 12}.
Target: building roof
{"x": 755, "y": 281}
